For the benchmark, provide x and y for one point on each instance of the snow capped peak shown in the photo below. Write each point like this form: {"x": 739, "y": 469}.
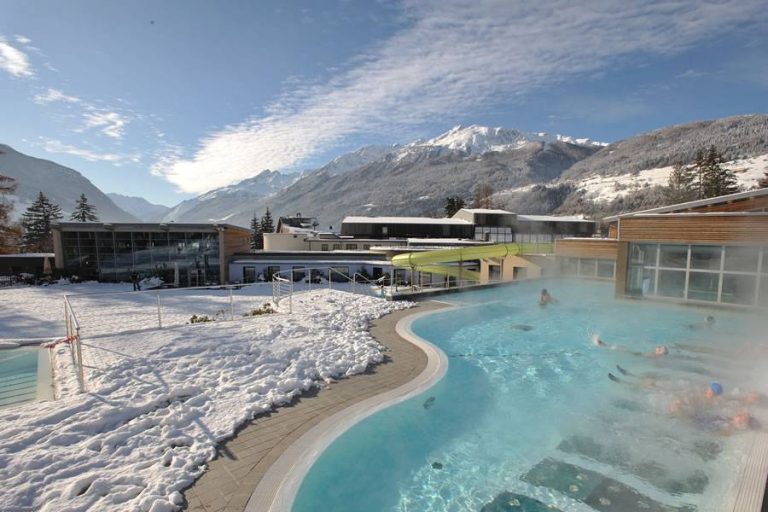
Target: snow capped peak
{"x": 546, "y": 137}
{"x": 477, "y": 139}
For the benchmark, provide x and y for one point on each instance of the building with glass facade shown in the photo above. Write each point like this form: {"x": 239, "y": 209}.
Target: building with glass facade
{"x": 183, "y": 254}
{"x": 712, "y": 251}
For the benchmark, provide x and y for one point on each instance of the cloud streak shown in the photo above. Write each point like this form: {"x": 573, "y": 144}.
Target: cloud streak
{"x": 451, "y": 57}
{"x": 53, "y": 96}
{"x": 14, "y": 61}
{"x": 56, "y": 146}
{"x": 111, "y": 124}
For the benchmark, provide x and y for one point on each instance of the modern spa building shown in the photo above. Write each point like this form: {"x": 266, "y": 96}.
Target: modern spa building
{"x": 707, "y": 251}
{"x": 367, "y": 244}
{"x": 183, "y": 254}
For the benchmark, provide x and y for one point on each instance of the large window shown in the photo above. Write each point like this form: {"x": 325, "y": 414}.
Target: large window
{"x": 705, "y": 273}
{"x": 587, "y": 267}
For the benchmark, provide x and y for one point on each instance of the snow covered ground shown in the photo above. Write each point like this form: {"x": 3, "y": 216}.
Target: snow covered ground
{"x": 158, "y": 401}
{"x": 38, "y": 311}
{"x": 606, "y": 188}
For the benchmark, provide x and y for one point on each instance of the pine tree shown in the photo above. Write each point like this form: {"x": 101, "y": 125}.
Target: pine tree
{"x": 266, "y": 223}
{"x": 716, "y": 179}
{"x": 452, "y": 205}
{"x": 681, "y": 185}
{"x": 8, "y": 233}
{"x": 84, "y": 212}
{"x": 257, "y": 242}
{"x": 36, "y": 225}
{"x": 699, "y": 166}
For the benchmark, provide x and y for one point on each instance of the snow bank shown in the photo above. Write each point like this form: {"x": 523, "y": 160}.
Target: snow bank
{"x": 159, "y": 402}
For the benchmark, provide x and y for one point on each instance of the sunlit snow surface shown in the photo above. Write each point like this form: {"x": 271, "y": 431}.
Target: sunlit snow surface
{"x": 158, "y": 401}
{"x": 513, "y": 398}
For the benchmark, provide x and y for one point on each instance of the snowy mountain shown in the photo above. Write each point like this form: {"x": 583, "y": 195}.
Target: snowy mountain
{"x": 62, "y": 185}
{"x": 475, "y": 139}
{"x": 234, "y": 204}
{"x": 139, "y": 207}
{"x": 356, "y": 159}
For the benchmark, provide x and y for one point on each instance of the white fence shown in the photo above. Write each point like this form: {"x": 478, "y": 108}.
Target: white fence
{"x": 74, "y": 340}
{"x": 287, "y": 282}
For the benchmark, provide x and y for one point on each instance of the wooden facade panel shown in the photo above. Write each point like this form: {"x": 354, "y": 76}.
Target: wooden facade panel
{"x": 586, "y": 248}
{"x": 751, "y": 229}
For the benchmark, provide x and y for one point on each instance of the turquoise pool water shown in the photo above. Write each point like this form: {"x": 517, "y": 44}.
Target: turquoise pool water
{"x": 18, "y": 376}
{"x": 526, "y": 416}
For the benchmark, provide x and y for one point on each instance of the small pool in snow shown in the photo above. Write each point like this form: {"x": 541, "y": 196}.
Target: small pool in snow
{"x": 526, "y": 417}
{"x": 23, "y": 376}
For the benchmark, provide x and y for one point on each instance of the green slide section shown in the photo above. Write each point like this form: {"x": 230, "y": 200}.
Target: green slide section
{"x": 418, "y": 259}
{"x": 464, "y": 274}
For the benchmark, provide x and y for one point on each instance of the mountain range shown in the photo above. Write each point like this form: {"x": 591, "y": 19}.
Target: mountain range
{"x": 530, "y": 172}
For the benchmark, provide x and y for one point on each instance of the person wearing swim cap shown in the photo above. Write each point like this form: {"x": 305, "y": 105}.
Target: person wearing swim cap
{"x": 715, "y": 389}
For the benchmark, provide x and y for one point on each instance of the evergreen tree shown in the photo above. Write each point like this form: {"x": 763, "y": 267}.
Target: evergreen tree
{"x": 452, "y": 205}
{"x": 36, "y": 225}
{"x": 8, "y": 233}
{"x": 681, "y": 185}
{"x": 699, "y": 165}
{"x": 257, "y": 242}
{"x": 84, "y": 212}
{"x": 716, "y": 179}
{"x": 267, "y": 225}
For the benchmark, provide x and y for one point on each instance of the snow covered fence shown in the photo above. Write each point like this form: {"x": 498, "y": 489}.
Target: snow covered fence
{"x": 286, "y": 282}
{"x": 102, "y": 314}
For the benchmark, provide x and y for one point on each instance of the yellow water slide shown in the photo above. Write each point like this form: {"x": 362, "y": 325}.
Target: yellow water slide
{"x": 429, "y": 261}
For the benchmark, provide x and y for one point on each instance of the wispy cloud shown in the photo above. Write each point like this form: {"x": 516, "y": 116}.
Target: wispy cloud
{"x": 453, "y": 56}
{"x": 111, "y": 124}
{"x": 692, "y": 74}
{"x": 53, "y": 96}
{"x": 22, "y": 39}
{"x": 14, "y": 61}
{"x": 56, "y": 146}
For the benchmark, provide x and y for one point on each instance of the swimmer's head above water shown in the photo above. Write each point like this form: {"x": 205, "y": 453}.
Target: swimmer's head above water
{"x": 660, "y": 351}
{"x": 714, "y": 389}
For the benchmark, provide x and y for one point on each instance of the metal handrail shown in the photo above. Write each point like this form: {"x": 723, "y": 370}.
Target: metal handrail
{"x": 74, "y": 339}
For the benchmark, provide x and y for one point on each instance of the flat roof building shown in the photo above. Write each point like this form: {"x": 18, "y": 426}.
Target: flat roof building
{"x": 183, "y": 254}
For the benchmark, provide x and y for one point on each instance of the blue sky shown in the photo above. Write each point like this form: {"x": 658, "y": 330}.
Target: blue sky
{"x": 167, "y": 100}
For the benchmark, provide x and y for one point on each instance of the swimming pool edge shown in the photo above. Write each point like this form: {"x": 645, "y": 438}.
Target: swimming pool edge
{"x": 277, "y": 490}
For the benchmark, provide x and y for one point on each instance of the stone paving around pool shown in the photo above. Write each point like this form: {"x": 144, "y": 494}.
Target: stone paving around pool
{"x": 242, "y": 461}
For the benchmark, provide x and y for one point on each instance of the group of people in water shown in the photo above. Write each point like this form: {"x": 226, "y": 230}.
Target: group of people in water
{"x": 708, "y": 408}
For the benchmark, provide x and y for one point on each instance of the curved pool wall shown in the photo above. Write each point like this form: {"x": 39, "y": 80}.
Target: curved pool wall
{"x": 527, "y": 399}
{"x": 279, "y": 486}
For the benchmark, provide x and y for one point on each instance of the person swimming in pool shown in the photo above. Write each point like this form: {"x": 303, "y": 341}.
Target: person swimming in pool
{"x": 545, "y": 298}
{"x": 659, "y": 351}
{"x": 709, "y": 322}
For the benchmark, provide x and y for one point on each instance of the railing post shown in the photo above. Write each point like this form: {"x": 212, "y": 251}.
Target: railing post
{"x": 159, "y": 315}
{"x": 231, "y": 304}
{"x": 81, "y": 374}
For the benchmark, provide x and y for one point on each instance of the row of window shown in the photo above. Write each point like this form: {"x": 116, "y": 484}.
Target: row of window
{"x": 117, "y": 255}
{"x": 338, "y": 247}
{"x": 707, "y": 273}
{"x": 588, "y": 267}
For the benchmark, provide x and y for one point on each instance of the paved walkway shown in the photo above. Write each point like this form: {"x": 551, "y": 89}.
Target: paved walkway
{"x": 244, "y": 459}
